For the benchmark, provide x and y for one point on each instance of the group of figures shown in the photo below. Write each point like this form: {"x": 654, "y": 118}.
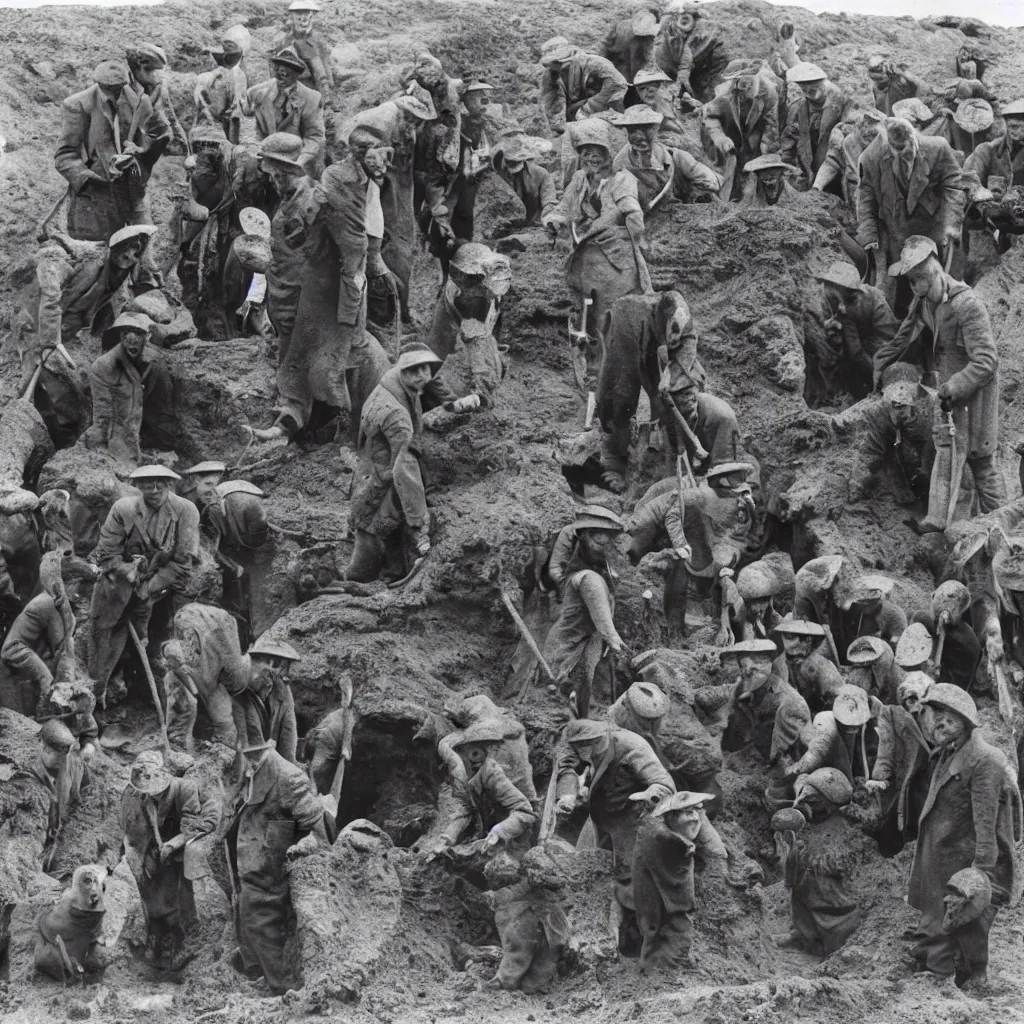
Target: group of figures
{"x": 299, "y": 226}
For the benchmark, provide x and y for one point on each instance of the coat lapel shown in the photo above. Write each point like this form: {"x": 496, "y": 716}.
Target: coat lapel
{"x": 918, "y": 182}
{"x": 954, "y": 765}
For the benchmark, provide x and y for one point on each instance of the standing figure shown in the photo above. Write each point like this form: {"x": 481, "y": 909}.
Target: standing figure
{"x": 147, "y": 63}
{"x": 890, "y": 83}
{"x": 262, "y": 704}
{"x": 164, "y": 820}
{"x": 629, "y": 44}
{"x": 218, "y": 94}
{"x": 818, "y": 106}
{"x": 277, "y": 817}
{"x": 840, "y": 171}
{"x": 576, "y": 85}
{"x": 310, "y": 46}
{"x": 690, "y": 51}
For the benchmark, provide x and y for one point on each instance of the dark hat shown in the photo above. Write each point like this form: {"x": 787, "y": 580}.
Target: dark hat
{"x": 416, "y": 353}
{"x": 111, "y": 72}
{"x": 56, "y": 735}
{"x": 290, "y": 58}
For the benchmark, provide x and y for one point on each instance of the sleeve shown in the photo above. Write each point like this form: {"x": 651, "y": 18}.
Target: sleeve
{"x": 552, "y": 101}
{"x": 519, "y": 816}
{"x": 314, "y": 133}
{"x": 675, "y": 517}
{"x": 884, "y": 324}
{"x": 770, "y": 131}
{"x": 594, "y": 592}
{"x": 867, "y": 200}
{"x": 624, "y": 191}
{"x": 199, "y": 817}
{"x": 827, "y": 678}
{"x": 18, "y": 651}
{"x": 690, "y": 168}
{"x": 345, "y": 213}
{"x": 67, "y": 158}
{"x": 613, "y": 86}
{"x": 711, "y": 122}
{"x": 791, "y": 718}
{"x": 645, "y": 767}
{"x": 979, "y": 163}
{"x": 53, "y": 268}
{"x": 819, "y": 739}
{"x": 405, "y": 468}
{"x": 102, "y": 403}
{"x": 110, "y": 548}
{"x": 976, "y": 332}
{"x": 986, "y": 789}
{"x": 288, "y": 738}
{"x": 547, "y": 194}
{"x": 790, "y": 134}
{"x": 567, "y": 765}
{"x": 832, "y": 166}
{"x": 307, "y": 811}
{"x": 185, "y": 554}
{"x": 948, "y": 170}
{"x": 890, "y": 351}
{"x": 712, "y": 698}
{"x": 878, "y": 439}
{"x": 450, "y": 759}
{"x": 886, "y": 757}
{"x": 561, "y": 553}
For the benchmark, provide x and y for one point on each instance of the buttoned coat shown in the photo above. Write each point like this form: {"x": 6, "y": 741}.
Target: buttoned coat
{"x": 306, "y": 120}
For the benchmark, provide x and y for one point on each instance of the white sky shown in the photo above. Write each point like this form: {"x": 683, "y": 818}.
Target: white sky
{"x": 995, "y": 12}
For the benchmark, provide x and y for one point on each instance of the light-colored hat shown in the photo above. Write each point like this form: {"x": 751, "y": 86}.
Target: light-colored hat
{"x": 952, "y": 698}
{"x": 977, "y": 887}
{"x": 127, "y": 322}
{"x": 850, "y": 707}
{"x": 417, "y": 101}
{"x": 111, "y": 73}
{"x": 148, "y": 774}
{"x": 472, "y": 258}
{"x": 519, "y": 148}
{"x": 914, "y": 684}
{"x": 210, "y": 466}
{"x": 951, "y": 596}
{"x": 800, "y": 627}
{"x": 476, "y": 85}
{"x": 591, "y": 131}
{"x": 290, "y": 58}
{"x": 872, "y": 585}
{"x": 305, "y": 5}
{"x": 236, "y": 39}
{"x": 759, "y": 646}
{"x": 647, "y": 700}
{"x": 681, "y": 802}
{"x": 841, "y": 273}
{"x": 914, "y": 646}
{"x": 56, "y": 735}
{"x": 877, "y": 60}
{"x": 900, "y": 383}
{"x": 768, "y": 162}
{"x": 865, "y": 650}
{"x": 416, "y": 353}
{"x": 282, "y": 148}
{"x": 638, "y": 114}
{"x": 1014, "y": 109}
{"x": 682, "y": 7}
{"x": 643, "y": 23}
{"x": 153, "y": 472}
{"x": 556, "y": 50}
{"x": 916, "y": 249}
{"x": 647, "y": 75}
{"x": 212, "y": 133}
{"x": 831, "y": 783}
{"x": 151, "y": 51}
{"x": 823, "y": 570}
{"x": 227, "y": 487}
{"x": 974, "y": 115}
{"x": 756, "y": 581}
{"x": 253, "y": 253}
{"x": 275, "y": 649}
{"x": 741, "y": 67}
{"x": 254, "y": 221}
{"x": 914, "y": 110}
{"x": 728, "y": 468}
{"x": 805, "y": 71}
{"x": 487, "y": 731}
{"x": 597, "y": 517}
{"x": 130, "y": 231}
{"x": 586, "y": 730}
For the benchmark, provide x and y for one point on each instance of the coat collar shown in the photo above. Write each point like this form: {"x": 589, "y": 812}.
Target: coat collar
{"x": 966, "y": 757}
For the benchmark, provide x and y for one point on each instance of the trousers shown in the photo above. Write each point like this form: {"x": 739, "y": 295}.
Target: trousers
{"x": 262, "y": 917}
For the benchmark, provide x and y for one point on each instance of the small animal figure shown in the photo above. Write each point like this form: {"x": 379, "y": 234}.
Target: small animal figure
{"x": 69, "y": 931}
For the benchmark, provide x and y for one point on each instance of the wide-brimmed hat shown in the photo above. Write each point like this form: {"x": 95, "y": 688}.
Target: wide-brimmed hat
{"x": 110, "y": 73}
{"x": 282, "y": 148}
{"x": 305, "y": 5}
{"x": 275, "y": 649}
{"x": 417, "y": 101}
{"x": 805, "y": 71}
{"x": 757, "y": 581}
{"x": 914, "y": 647}
{"x": 914, "y": 110}
{"x": 597, "y": 517}
{"x": 865, "y": 650}
{"x": 645, "y": 76}
{"x": 153, "y": 472}
{"x": 800, "y": 627}
{"x": 591, "y": 131}
{"x": 727, "y": 469}
{"x": 638, "y": 115}
{"x": 758, "y": 646}
{"x": 850, "y": 706}
{"x": 647, "y": 700}
{"x": 130, "y": 231}
{"x": 586, "y": 730}
{"x": 952, "y": 698}
{"x": 126, "y": 322}
{"x": 289, "y": 57}
{"x": 768, "y": 162}
{"x": 871, "y": 585}
{"x": 916, "y": 249}
{"x": 900, "y": 383}
{"x": 227, "y": 487}
{"x": 474, "y": 84}
{"x": 831, "y": 783}
{"x": 200, "y": 468}
{"x": 974, "y": 115}
{"x": 681, "y": 802}
{"x": 416, "y": 353}
{"x": 519, "y": 148}
{"x": 822, "y": 570}
{"x": 148, "y": 774}
{"x": 841, "y": 273}
{"x": 557, "y": 49}
{"x": 487, "y": 731}
{"x": 254, "y": 221}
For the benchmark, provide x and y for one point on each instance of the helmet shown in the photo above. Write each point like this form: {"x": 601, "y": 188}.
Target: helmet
{"x": 952, "y": 698}
{"x": 788, "y": 819}
{"x": 951, "y": 596}
{"x": 586, "y": 730}
{"x": 681, "y": 802}
{"x": 800, "y": 627}
{"x": 973, "y": 884}
{"x": 914, "y": 646}
{"x": 56, "y": 735}
{"x": 850, "y": 706}
{"x": 865, "y": 650}
{"x": 275, "y": 649}
{"x": 832, "y": 784}
{"x": 756, "y": 581}
{"x": 647, "y": 700}
{"x": 488, "y": 731}
{"x": 148, "y": 774}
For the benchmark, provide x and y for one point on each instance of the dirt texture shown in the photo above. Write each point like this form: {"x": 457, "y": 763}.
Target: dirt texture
{"x": 375, "y": 924}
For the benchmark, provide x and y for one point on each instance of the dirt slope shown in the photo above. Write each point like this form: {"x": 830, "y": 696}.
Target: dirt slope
{"x": 497, "y": 490}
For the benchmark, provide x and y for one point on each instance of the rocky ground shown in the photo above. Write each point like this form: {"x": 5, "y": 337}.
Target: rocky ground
{"x": 379, "y": 948}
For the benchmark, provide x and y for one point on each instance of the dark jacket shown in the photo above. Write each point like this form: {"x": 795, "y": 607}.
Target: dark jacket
{"x": 962, "y": 353}
{"x": 265, "y": 718}
{"x": 38, "y": 640}
{"x": 995, "y": 158}
{"x": 752, "y": 135}
{"x": 797, "y": 146}
{"x": 971, "y": 818}
{"x": 489, "y": 802}
{"x": 886, "y": 217}
{"x": 305, "y": 118}
{"x": 902, "y": 86}
{"x": 118, "y": 387}
{"x": 586, "y": 83}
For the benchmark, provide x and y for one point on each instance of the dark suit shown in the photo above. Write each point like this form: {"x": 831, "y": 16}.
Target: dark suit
{"x": 304, "y": 117}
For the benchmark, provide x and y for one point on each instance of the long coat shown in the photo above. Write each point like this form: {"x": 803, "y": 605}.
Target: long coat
{"x": 962, "y": 354}
{"x": 842, "y": 161}
{"x": 752, "y": 135}
{"x": 305, "y": 118}
{"x": 995, "y": 158}
{"x": 37, "y": 647}
{"x": 586, "y": 83}
{"x": 388, "y": 464}
{"x": 796, "y": 146}
{"x": 971, "y": 818}
{"x": 903, "y": 753}
{"x": 489, "y": 803}
{"x": 91, "y": 136}
{"x": 118, "y": 389}
{"x": 331, "y": 310}
{"x": 265, "y": 718}
{"x": 885, "y": 217}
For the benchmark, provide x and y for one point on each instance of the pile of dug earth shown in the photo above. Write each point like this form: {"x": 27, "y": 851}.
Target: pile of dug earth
{"x": 379, "y": 927}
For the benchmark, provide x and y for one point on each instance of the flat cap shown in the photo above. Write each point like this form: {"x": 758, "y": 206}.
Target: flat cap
{"x": 488, "y": 731}
{"x": 800, "y": 627}
{"x": 148, "y": 774}
{"x": 210, "y": 466}
{"x": 805, "y": 71}
{"x": 638, "y": 114}
{"x": 227, "y": 487}
{"x": 768, "y": 162}
{"x": 289, "y": 57}
{"x": 153, "y": 54}
{"x": 283, "y": 148}
{"x": 728, "y": 468}
{"x": 681, "y": 802}
{"x": 153, "y": 472}
{"x": 275, "y": 649}
{"x": 759, "y": 646}
{"x": 647, "y": 75}
{"x": 556, "y": 50}
{"x": 850, "y": 706}
{"x": 586, "y": 730}
{"x": 916, "y": 249}
{"x": 110, "y": 73}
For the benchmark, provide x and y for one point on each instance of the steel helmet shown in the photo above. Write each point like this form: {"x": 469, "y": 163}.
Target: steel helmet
{"x": 832, "y": 784}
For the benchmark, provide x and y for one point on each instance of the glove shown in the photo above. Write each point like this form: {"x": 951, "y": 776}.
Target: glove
{"x": 422, "y": 541}
{"x": 876, "y": 785}
{"x": 565, "y": 805}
